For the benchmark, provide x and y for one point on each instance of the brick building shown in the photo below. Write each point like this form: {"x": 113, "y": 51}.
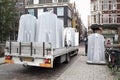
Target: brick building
{"x": 106, "y": 14}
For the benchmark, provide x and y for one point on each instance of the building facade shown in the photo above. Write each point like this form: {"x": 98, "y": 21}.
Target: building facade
{"x": 106, "y": 14}
{"x": 61, "y": 8}
{"x": 64, "y": 10}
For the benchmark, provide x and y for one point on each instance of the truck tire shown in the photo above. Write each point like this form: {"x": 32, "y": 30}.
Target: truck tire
{"x": 77, "y": 52}
{"x": 26, "y": 66}
{"x": 67, "y": 58}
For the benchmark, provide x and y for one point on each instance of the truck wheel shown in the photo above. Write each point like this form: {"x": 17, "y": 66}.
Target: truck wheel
{"x": 26, "y": 66}
{"x": 68, "y": 58}
{"x": 76, "y": 52}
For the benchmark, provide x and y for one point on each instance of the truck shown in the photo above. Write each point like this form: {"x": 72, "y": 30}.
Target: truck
{"x": 25, "y": 53}
{"x": 31, "y": 52}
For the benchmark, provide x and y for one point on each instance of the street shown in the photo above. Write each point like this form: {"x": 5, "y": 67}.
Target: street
{"x": 18, "y": 72}
{"x": 76, "y": 69}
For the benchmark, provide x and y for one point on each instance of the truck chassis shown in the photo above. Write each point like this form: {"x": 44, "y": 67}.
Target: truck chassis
{"x": 37, "y": 54}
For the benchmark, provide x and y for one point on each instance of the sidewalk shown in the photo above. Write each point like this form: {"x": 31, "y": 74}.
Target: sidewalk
{"x": 80, "y": 70}
{"x": 1, "y": 60}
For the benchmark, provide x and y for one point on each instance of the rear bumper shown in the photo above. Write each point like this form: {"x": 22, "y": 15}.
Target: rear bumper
{"x": 8, "y": 61}
{"x": 37, "y": 62}
{"x": 46, "y": 65}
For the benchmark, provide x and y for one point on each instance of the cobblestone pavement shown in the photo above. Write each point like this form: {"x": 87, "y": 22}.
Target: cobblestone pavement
{"x": 80, "y": 70}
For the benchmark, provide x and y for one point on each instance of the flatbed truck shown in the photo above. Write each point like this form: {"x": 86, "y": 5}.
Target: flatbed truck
{"x": 37, "y": 54}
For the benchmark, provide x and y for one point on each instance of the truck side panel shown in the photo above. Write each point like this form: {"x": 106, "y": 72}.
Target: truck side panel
{"x": 35, "y": 53}
{"x": 27, "y": 53}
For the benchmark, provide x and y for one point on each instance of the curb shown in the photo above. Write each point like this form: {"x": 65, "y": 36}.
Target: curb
{"x": 2, "y": 60}
{"x": 2, "y": 63}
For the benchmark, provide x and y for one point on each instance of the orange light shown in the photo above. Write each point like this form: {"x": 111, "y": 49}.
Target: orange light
{"x": 9, "y": 61}
{"x": 46, "y": 65}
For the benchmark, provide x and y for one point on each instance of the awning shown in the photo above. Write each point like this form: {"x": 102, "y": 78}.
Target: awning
{"x": 108, "y": 35}
{"x": 112, "y": 26}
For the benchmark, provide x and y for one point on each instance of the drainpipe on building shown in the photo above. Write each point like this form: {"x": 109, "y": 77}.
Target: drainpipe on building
{"x": 99, "y": 18}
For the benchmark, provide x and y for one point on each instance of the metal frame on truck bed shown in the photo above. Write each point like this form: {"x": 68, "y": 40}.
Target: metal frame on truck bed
{"x": 37, "y": 54}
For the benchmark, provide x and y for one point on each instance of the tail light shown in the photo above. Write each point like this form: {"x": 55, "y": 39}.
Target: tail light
{"x": 47, "y": 61}
{"x": 8, "y": 57}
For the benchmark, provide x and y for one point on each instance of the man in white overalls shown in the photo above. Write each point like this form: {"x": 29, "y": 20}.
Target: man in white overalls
{"x": 96, "y": 48}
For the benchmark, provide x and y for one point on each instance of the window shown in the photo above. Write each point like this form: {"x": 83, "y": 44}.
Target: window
{"x": 40, "y": 11}
{"x": 55, "y": 1}
{"x": 96, "y": 6}
{"x": 60, "y": 11}
{"x": 50, "y": 10}
{"x": 42, "y": 1}
{"x": 63, "y": 0}
{"x": 109, "y": 5}
{"x": 100, "y": 6}
{"x": 31, "y": 11}
{"x": 48, "y": 1}
{"x": 27, "y": 2}
{"x": 118, "y": 5}
{"x": 36, "y": 1}
{"x": 104, "y": 31}
{"x": 113, "y": 5}
{"x": 113, "y": 18}
{"x": 95, "y": 18}
{"x": 105, "y": 5}
{"x": 19, "y": 4}
{"x": 92, "y": 19}
{"x": 118, "y": 18}
{"x": 69, "y": 13}
{"x": 113, "y": 31}
{"x": 92, "y": 7}
{"x": 105, "y": 18}
{"x": 45, "y": 1}
{"x": 59, "y": 1}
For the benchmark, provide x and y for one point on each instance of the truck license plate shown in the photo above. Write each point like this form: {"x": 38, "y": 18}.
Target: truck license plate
{"x": 27, "y": 59}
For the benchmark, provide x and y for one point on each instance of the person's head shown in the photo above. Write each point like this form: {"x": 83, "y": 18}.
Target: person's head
{"x": 100, "y": 29}
{"x": 97, "y": 30}
{"x": 90, "y": 31}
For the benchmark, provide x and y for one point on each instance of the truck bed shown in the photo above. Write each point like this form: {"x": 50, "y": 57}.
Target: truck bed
{"x": 34, "y": 53}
